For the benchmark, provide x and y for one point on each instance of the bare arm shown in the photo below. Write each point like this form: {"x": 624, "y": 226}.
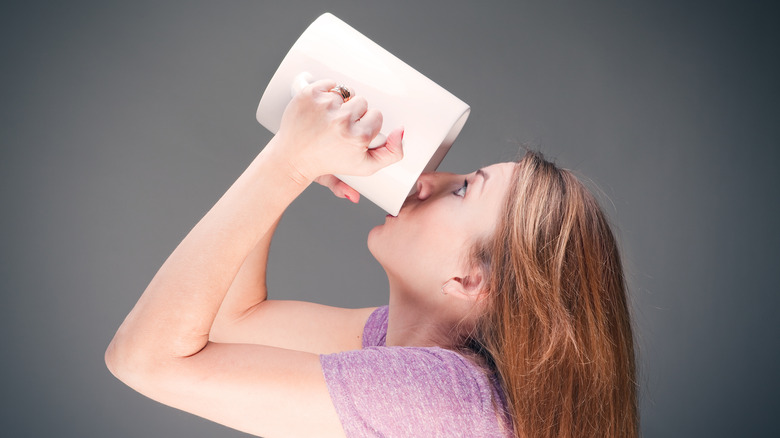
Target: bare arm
{"x": 248, "y": 316}
{"x": 162, "y": 348}
{"x": 249, "y": 287}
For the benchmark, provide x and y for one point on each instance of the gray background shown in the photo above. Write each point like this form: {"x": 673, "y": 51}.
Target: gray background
{"x": 123, "y": 122}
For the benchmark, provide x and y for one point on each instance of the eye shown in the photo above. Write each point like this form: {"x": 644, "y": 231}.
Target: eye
{"x": 462, "y": 190}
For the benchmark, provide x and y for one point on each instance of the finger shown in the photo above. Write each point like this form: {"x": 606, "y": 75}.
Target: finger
{"x": 371, "y": 123}
{"x": 328, "y": 181}
{"x": 350, "y": 90}
{"x": 391, "y": 152}
{"x": 323, "y": 89}
{"x": 338, "y": 187}
{"x": 348, "y": 191}
{"x": 323, "y": 85}
{"x": 335, "y": 92}
{"x": 319, "y": 90}
{"x": 357, "y": 107}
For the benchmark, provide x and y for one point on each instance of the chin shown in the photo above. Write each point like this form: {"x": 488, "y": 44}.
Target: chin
{"x": 372, "y": 238}
{"x": 377, "y": 243}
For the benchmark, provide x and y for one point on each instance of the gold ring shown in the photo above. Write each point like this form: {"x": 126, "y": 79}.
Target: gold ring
{"x": 342, "y": 91}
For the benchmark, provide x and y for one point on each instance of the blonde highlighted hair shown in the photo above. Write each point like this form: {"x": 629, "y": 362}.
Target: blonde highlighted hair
{"x": 556, "y": 324}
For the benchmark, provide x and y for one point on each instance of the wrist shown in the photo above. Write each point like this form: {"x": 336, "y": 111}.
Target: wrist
{"x": 292, "y": 168}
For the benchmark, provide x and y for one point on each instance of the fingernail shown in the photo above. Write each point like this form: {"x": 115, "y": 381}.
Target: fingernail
{"x": 348, "y": 197}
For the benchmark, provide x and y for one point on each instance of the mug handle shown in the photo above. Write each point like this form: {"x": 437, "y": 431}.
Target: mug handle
{"x": 303, "y": 79}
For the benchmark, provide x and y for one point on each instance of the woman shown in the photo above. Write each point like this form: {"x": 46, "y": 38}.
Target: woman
{"x": 507, "y": 313}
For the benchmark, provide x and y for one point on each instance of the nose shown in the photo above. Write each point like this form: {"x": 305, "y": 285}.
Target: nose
{"x": 429, "y": 183}
{"x": 422, "y": 188}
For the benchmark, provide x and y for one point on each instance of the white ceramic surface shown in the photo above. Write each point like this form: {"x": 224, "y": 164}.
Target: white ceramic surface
{"x": 431, "y": 116}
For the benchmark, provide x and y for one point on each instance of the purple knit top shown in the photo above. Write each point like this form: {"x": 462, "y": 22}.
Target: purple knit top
{"x": 382, "y": 391}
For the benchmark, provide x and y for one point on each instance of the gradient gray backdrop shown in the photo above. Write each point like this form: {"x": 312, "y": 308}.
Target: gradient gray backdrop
{"x": 123, "y": 122}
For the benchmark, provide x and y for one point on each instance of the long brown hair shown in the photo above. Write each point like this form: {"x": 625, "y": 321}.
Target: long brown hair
{"x": 556, "y": 323}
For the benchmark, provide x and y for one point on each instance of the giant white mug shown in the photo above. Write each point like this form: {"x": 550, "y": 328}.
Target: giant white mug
{"x": 431, "y": 116}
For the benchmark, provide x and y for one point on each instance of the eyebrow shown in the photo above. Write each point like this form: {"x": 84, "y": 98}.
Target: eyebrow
{"x": 485, "y": 177}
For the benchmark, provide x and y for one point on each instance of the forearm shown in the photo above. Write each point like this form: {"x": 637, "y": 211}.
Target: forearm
{"x": 175, "y": 313}
{"x": 249, "y": 287}
{"x": 320, "y": 134}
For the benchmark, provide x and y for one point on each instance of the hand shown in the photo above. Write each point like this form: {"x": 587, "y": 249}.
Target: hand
{"x": 322, "y": 135}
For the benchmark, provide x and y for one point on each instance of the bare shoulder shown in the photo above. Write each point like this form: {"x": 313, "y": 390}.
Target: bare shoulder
{"x": 295, "y": 325}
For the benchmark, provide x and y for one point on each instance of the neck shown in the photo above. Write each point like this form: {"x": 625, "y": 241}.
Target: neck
{"x": 415, "y": 322}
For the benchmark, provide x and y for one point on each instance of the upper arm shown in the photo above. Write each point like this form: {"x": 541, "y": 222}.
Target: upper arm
{"x": 295, "y": 325}
{"x": 262, "y": 390}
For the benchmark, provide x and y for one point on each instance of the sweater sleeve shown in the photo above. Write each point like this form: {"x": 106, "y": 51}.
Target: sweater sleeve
{"x": 409, "y": 391}
{"x": 375, "y": 330}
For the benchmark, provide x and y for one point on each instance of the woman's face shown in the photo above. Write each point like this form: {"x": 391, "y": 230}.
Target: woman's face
{"x": 430, "y": 239}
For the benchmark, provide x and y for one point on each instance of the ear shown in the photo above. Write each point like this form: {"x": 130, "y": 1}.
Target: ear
{"x": 469, "y": 287}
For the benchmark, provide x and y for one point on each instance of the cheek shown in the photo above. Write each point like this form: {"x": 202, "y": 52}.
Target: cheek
{"x": 432, "y": 253}
{"x": 430, "y": 237}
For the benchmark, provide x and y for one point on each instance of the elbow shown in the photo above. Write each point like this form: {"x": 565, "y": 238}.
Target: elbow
{"x": 139, "y": 366}
{"x": 111, "y": 357}
{"x": 128, "y": 364}
{"x": 140, "y": 370}
{"x": 117, "y": 360}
